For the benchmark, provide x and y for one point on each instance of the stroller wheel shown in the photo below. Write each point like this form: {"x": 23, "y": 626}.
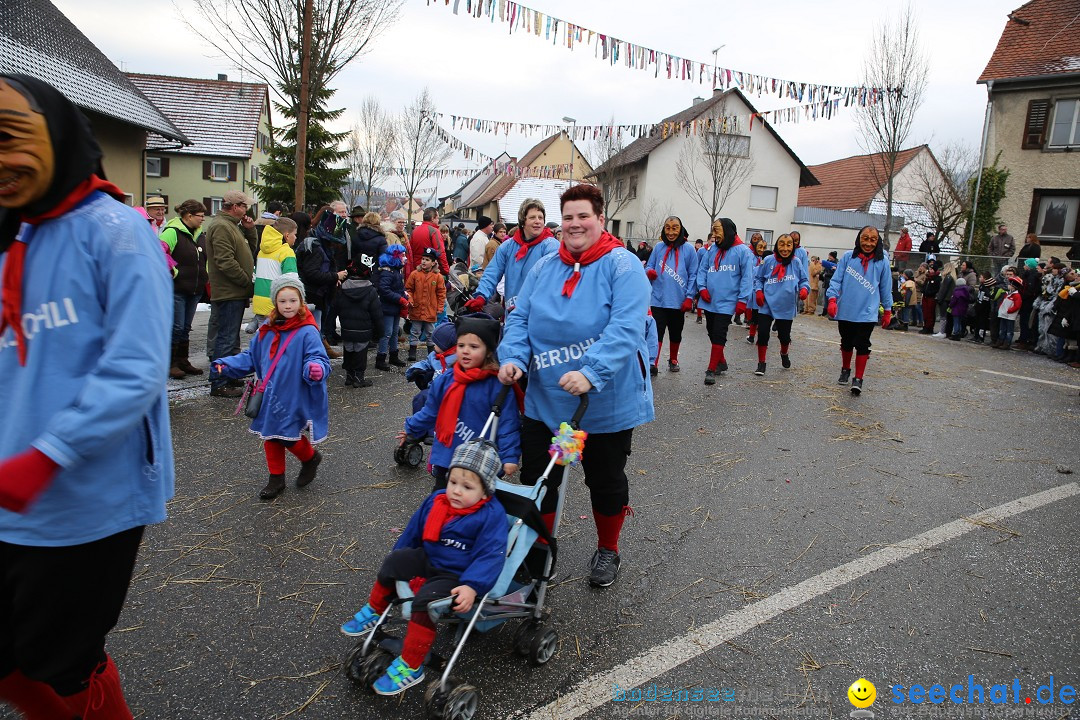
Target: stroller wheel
{"x": 372, "y": 668}
{"x": 455, "y": 701}
{"x": 354, "y": 662}
{"x": 414, "y": 455}
{"x": 399, "y": 454}
{"x": 523, "y": 637}
{"x": 542, "y": 645}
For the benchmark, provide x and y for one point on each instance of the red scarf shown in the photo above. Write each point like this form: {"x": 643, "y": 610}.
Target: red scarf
{"x": 781, "y": 269}
{"x": 525, "y": 246}
{"x": 663, "y": 260}
{"x": 604, "y": 244}
{"x": 294, "y": 323}
{"x": 16, "y": 257}
{"x": 450, "y": 406}
{"x": 441, "y": 357}
{"x": 720, "y": 253}
{"x": 443, "y": 512}
{"x": 865, "y": 261}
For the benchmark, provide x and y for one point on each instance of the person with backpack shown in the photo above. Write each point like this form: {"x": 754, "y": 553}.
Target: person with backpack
{"x": 317, "y": 267}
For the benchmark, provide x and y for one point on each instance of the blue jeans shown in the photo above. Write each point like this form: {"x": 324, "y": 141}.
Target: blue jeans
{"x": 957, "y": 325}
{"x": 390, "y": 324}
{"x": 917, "y": 307}
{"x": 230, "y": 316}
{"x": 183, "y": 314}
{"x": 1005, "y": 330}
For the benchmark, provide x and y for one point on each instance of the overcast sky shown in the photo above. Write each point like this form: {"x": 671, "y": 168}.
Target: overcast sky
{"x": 474, "y": 68}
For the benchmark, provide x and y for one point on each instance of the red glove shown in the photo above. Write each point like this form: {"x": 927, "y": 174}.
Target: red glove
{"x": 804, "y": 293}
{"x": 23, "y": 477}
{"x": 704, "y": 295}
{"x": 759, "y": 297}
{"x": 832, "y": 307}
{"x": 405, "y": 309}
{"x": 314, "y": 371}
{"x": 687, "y": 305}
{"x": 740, "y": 308}
{"x": 651, "y": 273}
{"x": 886, "y": 319}
{"x": 476, "y": 304}
{"x": 403, "y": 301}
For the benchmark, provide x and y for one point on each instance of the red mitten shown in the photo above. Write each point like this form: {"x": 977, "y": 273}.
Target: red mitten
{"x": 314, "y": 371}
{"x": 687, "y": 305}
{"x": 476, "y": 304}
{"x": 403, "y": 301}
{"x": 405, "y": 310}
{"x": 886, "y": 319}
{"x": 651, "y": 273}
{"x": 832, "y": 307}
{"x": 704, "y": 295}
{"x": 23, "y": 477}
{"x": 740, "y": 307}
{"x": 804, "y": 293}
{"x": 759, "y": 298}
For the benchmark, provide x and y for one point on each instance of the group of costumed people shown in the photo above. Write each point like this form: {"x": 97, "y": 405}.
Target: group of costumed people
{"x": 729, "y": 279}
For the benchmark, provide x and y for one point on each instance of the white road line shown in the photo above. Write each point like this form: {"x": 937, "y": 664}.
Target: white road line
{"x": 595, "y": 691}
{"x": 1031, "y": 379}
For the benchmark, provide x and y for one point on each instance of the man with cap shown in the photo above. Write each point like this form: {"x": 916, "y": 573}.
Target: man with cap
{"x": 156, "y": 209}
{"x": 230, "y": 265}
{"x": 479, "y": 241}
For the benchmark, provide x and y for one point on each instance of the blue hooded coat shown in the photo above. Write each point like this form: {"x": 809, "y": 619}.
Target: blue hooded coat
{"x": 860, "y": 291}
{"x": 727, "y": 272}
{"x": 505, "y": 262}
{"x": 676, "y": 266}
{"x": 781, "y": 296}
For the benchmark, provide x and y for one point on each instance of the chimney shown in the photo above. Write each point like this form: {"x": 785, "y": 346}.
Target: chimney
{"x": 698, "y": 100}
{"x": 222, "y": 76}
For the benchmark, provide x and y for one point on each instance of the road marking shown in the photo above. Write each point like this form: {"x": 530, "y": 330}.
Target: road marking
{"x": 595, "y": 691}
{"x": 1031, "y": 379}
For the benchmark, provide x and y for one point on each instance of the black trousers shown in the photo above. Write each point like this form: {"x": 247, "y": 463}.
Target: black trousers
{"x": 669, "y": 319}
{"x": 767, "y": 322}
{"x": 716, "y": 324}
{"x": 355, "y": 362}
{"x": 57, "y": 604}
{"x": 407, "y": 563}
{"x": 603, "y": 460}
{"x": 856, "y": 336}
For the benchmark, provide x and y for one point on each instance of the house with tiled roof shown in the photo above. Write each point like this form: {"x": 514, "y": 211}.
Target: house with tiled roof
{"x": 228, "y": 124}
{"x": 1033, "y": 126}
{"x": 37, "y": 39}
{"x": 641, "y": 187}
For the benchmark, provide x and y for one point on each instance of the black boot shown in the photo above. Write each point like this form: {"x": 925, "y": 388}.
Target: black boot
{"x": 350, "y": 380}
{"x": 361, "y": 368}
{"x": 760, "y": 369}
{"x": 412, "y": 353}
{"x": 395, "y": 359}
{"x": 380, "y": 362}
{"x": 274, "y": 487}
{"x": 307, "y": 471}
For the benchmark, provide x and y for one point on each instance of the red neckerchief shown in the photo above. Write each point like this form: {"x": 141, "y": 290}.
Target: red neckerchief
{"x": 443, "y": 512}
{"x": 16, "y": 257}
{"x": 441, "y": 356}
{"x": 450, "y": 406}
{"x": 523, "y": 250}
{"x": 294, "y": 323}
{"x": 781, "y": 269}
{"x": 720, "y": 253}
{"x": 865, "y": 261}
{"x": 604, "y": 244}
{"x": 663, "y": 260}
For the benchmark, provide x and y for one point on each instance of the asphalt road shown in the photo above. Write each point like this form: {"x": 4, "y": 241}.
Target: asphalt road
{"x": 742, "y": 492}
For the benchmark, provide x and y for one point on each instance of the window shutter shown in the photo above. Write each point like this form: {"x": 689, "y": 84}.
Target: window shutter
{"x": 205, "y": 169}
{"x": 1035, "y": 128}
{"x": 208, "y": 205}
{"x": 232, "y": 171}
{"x": 164, "y": 167}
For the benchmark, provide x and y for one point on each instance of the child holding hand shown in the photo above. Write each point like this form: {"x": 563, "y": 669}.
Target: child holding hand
{"x": 288, "y": 357}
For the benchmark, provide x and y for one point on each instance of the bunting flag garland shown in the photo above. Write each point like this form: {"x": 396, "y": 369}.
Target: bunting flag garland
{"x": 522, "y": 19}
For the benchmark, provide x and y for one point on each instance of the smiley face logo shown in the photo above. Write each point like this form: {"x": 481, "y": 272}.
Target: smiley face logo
{"x": 862, "y": 693}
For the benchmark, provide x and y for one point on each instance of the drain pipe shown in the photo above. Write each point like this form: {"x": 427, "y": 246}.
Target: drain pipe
{"x": 982, "y": 159}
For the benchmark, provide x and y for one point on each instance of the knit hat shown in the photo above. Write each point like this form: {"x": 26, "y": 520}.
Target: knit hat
{"x": 481, "y": 457}
{"x": 1031, "y": 263}
{"x": 287, "y": 280}
{"x": 482, "y": 222}
{"x": 445, "y": 336}
{"x": 393, "y": 257}
{"x": 485, "y": 328}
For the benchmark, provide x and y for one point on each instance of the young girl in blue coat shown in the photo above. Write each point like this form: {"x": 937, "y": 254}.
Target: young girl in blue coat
{"x": 294, "y": 400}
{"x": 779, "y": 280}
{"x": 390, "y": 284}
{"x": 862, "y": 283}
{"x": 725, "y": 281}
{"x": 459, "y": 401}
{"x": 672, "y": 270}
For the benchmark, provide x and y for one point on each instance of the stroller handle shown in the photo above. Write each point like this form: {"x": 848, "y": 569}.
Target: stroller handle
{"x": 496, "y": 408}
{"x": 583, "y": 405}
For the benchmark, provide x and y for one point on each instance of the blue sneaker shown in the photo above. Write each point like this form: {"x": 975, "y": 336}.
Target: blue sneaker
{"x": 399, "y": 677}
{"x": 361, "y": 623}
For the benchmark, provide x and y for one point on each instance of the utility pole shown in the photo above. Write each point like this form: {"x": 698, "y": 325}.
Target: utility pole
{"x": 303, "y": 110}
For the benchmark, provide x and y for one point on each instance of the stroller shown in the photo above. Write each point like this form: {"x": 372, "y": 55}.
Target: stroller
{"x": 460, "y": 286}
{"x": 518, "y": 594}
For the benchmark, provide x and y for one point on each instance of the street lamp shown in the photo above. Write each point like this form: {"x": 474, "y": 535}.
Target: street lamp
{"x": 714, "y": 52}
{"x": 573, "y": 132}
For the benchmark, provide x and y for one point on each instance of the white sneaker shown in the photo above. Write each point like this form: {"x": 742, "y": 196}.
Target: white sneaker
{"x": 938, "y": 335}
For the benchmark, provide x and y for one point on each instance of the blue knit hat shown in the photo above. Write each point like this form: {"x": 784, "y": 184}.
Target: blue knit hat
{"x": 445, "y": 336}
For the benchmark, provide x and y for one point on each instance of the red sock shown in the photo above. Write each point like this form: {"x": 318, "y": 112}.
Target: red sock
{"x": 419, "y": 638}
{"x": 761, "y": 350}
{"x": 783, "y": 349}
{"x": 36, "y": 700}
{"x": 103, "y": 698}
{"x": 673, "y": 352}
{"x": 302, "y": 449}
{"x": 716, "y": 356}
{"x": 275, "y": 457}
{"x": 860, "y": 365}
{"x": 379, "y": 598}
{"x": 608, "y": 528}
{"x": 845, "y": 355}
{"x": 751, "y": 330}
{"x": 699, "y": 312}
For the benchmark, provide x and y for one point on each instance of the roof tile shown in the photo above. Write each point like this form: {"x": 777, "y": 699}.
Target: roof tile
{"x": 1041, "y": 37}
{"x": 850, "y": 184}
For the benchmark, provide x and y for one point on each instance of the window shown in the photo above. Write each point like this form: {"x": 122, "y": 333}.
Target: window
{"x": 615, "y": 228}
{"x": 620, "y": 189}
{"x": 767, "y": 234}
{"x": 254, "y": 173}
{"x": 630, "y": 229}
{"x": 730, "y": 145}
{"x": 1054, "y": 215}
{"x": 633, "y": 188}
{"x": 215, "y": 205}
{"x": 129, "y": 199}
{"x": 763, "y": 197}
{"x": 1064, "y": 131}
{"x": 153, "y": 167}
{"x": 219, "y": 171}
{"x": 1035, "y": 126}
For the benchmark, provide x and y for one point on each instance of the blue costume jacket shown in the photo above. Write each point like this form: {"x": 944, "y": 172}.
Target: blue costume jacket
{"x": 505, "y": 262}
{"x": 860, "y": 292}
{"x": 781, "y": 297}
{"x": 676, "y": 276}
{"x": 729, "y": 277}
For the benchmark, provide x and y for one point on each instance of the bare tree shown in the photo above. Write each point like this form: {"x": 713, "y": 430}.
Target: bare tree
{"x": 896, "y": 64}
{"x": 942, "y": 186}
{"x": 612, "y": 176}
{"x": 715, "y": 162}
{"x": 370, "y": 148}
{"x": 419, "y": 150}
{"x": 652, "y": 219}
